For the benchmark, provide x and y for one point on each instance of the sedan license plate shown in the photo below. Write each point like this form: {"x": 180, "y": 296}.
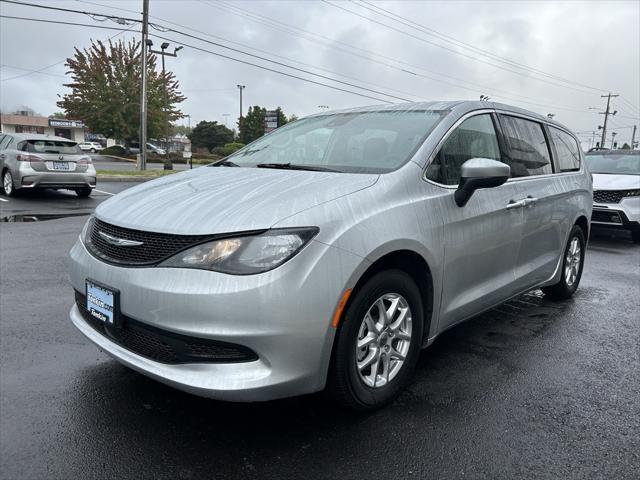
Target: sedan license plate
{"x": 60, "y": 166}
{"x": 102, "y": 302}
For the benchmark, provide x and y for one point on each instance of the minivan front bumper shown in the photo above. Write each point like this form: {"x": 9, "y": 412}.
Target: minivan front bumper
{"x": 284, "y": 316}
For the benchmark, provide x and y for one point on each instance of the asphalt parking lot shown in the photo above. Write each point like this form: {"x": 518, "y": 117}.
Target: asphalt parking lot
{"x": 532, "y": 389}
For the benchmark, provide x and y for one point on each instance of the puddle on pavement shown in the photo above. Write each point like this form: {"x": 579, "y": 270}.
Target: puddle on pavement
{"x": 29, "y": 218}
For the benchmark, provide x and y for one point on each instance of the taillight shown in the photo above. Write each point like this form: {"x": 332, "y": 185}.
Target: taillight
{"x": 84, "y": 161}
{"x": 28, "y": 157}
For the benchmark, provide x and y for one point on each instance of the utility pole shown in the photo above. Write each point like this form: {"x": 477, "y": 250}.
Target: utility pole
{"x": 240, "y": 87}
{"x": 168, "y": 165}
{"x": 606, "y": 114}
{"x": 143, "y": 89}
{"x": 633, "y": 138}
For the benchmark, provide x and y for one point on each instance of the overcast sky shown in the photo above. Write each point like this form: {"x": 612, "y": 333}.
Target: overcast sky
{"x": 594, "y": 44}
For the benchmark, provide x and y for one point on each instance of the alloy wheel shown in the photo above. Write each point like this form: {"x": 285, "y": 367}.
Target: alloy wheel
{"x": 7, "y": 182}
{"x": 384, "y": 339}
{"x": 572, "y": 262}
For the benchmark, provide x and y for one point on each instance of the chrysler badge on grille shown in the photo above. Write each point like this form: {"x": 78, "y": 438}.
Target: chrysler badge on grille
{"x": 120, "y": 242}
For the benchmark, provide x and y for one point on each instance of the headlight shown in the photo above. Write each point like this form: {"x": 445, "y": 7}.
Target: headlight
{"x": 245, "y": 255}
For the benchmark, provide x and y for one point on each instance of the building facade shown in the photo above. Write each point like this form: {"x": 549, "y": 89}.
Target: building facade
{"x": 24, "y": 122}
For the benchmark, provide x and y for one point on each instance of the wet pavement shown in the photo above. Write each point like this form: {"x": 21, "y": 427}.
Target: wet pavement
{"x": 532, "y": 389}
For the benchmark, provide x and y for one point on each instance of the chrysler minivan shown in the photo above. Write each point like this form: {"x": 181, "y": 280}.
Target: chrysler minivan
{"x": 328, "y": 253}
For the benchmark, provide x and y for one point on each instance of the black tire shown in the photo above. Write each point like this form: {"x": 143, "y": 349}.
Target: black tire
{"x": 93, "y": 150}
{"x": 345, "y": 383}
{"x": 12, "y": 189}
{"x": 83, "y": 192}
{"x": 635, "y": 235}
{"x": 563, "y": 289}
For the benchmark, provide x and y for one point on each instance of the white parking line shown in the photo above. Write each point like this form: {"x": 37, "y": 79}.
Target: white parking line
{"x": 102, "y": 191}
{"x": 3, "y": 199}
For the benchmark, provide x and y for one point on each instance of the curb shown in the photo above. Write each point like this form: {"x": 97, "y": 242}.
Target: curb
{"x": 114, "y": 178}
{"x": 121, "y": 159}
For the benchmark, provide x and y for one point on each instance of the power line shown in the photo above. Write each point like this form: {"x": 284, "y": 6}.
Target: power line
{"x": 39, "y": 70}
{"x": 270, "y": 69}
{"x": 450, "y": 49}
{"x": 459, "y": 43}
{"x": 41, "y": 20}
{"x": 69, "y": 10}
{"x": 32, "y": 71}
{"x": 292, "y": 30}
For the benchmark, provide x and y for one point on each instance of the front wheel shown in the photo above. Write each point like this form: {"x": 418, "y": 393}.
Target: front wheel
{"x": 7, "y": 184}
{"x": 635, "y": 235}
{"x": 378, "y": 343}
{"x": 93, "y": 150}
{"x": 572, "y": 265}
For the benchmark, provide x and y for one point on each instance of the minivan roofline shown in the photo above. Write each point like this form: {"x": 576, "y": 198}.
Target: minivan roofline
{"x": 458, "y": 107}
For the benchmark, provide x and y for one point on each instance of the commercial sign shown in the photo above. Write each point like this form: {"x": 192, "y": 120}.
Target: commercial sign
{"x": 60, "y": 122}
{"x": 270, "y": 120}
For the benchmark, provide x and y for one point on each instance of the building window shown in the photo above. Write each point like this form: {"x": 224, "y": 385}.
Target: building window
{"x": 29, "y": 129}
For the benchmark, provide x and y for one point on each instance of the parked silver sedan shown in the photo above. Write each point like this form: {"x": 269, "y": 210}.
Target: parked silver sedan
{"x": 329, "y": 252}
{"x": 29, "y": 161}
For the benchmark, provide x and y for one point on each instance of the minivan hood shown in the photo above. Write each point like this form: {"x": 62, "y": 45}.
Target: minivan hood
{"x": 605, "y": 181}
{"x": 211, "y": 200}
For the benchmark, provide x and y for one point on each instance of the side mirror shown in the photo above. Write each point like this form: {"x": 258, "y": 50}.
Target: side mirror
{"x": 480, "y": 173}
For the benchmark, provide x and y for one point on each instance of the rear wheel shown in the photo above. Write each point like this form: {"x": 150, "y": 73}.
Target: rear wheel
{"x": 572, "y": 265}
{"x": 93, "y": 150}
{"x": 83, "y": 192}
{"x": 7, "y": 183}
{"x": 378, "y": 343}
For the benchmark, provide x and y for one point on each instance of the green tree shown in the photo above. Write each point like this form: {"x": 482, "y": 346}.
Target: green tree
{"x": 58, "y": 115}
{"x": 210, "y": 135}
{"x": 182, "y": 129}
{"x": 252, "y": 126}
{"x": 105, "y": 91}
{"x": 626, "y": 146}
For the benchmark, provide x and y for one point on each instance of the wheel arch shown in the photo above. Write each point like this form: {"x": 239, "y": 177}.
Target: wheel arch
{"x": 583, "y": 223}
{"x": 417, "y": 267}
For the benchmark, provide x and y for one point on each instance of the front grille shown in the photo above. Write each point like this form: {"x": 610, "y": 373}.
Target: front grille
{"x": 163, "y": 346}
{"x": 155, "y": 246}
{"x": 613, "y": 196}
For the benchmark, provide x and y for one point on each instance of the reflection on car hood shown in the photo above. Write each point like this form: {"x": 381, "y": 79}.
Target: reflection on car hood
{"x": 602, "y": 181}
{"x": 225, "y": 199}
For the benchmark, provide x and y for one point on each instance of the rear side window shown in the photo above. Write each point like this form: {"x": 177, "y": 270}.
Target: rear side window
{"x": 52, "y": 146}
{"x": 473, "y": 138}
{"x": 4, "y": 140}
{"x": 567, "y": 150}
{"x": 528, "y": 149}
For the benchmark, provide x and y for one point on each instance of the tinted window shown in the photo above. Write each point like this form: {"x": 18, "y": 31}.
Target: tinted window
{"x": 359, "y": 142}
{"x": 474, "y": 138}
{"x": 528, "y": 149}
{"x": 4, "y": 139}
{"x": 567, "y": 149}
{"x": 52, "y": 146}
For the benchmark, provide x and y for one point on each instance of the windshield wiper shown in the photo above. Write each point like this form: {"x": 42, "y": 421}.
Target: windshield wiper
{"x": 224, "y": 163}
{"x": 294, "y": 166}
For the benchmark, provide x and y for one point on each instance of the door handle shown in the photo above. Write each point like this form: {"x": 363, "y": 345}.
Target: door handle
{"x": 529, "y": 201}
{"x": 515, "y": 204}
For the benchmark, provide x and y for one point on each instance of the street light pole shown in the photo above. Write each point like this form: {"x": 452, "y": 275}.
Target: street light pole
{"x": 240, "y": 87}
{"x": 143, "y": 89}
{"x": 613, "y": 137}
{"x": 168, "y": 164}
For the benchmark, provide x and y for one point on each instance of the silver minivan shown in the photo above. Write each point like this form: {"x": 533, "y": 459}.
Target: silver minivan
{"x": 328, "y": 253}
{"x": 31, "y": 161}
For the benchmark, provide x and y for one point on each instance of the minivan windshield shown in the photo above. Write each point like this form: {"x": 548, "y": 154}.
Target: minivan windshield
{"x": 52, "y": 146}
{"x": 354, "y": 142}
{"x": 615, "y": 164}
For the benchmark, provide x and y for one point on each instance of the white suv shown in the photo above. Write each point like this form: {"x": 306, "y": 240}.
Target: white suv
{"x": 616, "y": 189}
{"x": 92, "y": 147}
